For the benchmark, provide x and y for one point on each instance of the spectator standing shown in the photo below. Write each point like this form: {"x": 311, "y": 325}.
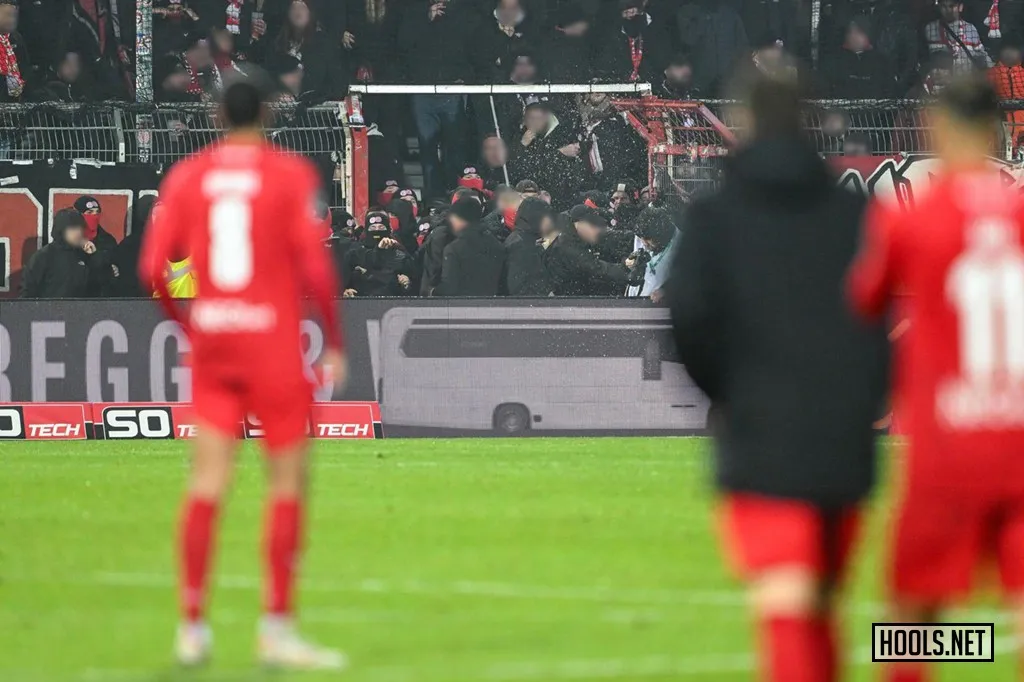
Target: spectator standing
{"x": 14, "y": 61}
{"x": 371, "y": 36}
{"x": 172, "y": 81}
{"x": 716, "y": 37}
{"x": 502, "y": 220}
{"x": 493, "y": 157}
{"x": 94, "y": 31}
{"x": 678, "y": 82}
{"x": 103, "y": 273}
{"x": 638, "y": 48}
{"x": 204, "y": 80}
{"x": 507, "y": 112}
{"x": 573, "y": 263}
{"x": 301, "y": 38}
{"x": 433, "y": 39}
{"x": 65, "y": 82}
{"x": 951, "y": 32}
{"x": 1008, "y": 80}
{"x": 379, "y": 266}
{"x": 526, "y": 273}
{"x": 895, "y": 37}
{"x": 437, "y": 240}
{"x": 239, "y": 18}
{"x": 657, "y": 232}
{"x": 611, "y": 147}
{"x": 173, "y": 22}
{"x": 567, "y": 54}
{"x": 474, "y": 263}
{"x": 548, "y": 152}
{"x": 859, "y": 71}
{"x": 61, "y": 269}
{"x": 126, "y": 254}
{"x": 502, "y": 36}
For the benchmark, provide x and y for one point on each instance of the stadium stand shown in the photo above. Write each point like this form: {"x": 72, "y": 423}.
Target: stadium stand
{"x": 616, "y": 103}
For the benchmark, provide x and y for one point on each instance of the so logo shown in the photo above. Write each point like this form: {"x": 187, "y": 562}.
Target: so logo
{"x": 138, "y": 422}
{"x": 12, "y": 422}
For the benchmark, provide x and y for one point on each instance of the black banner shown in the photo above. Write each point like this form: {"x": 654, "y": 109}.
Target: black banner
{"x": 437, "y": 367}
{"x": 31, "y": 192}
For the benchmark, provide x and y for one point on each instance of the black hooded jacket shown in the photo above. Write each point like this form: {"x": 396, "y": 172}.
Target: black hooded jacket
{"x": 576, "y": 269}
{"x": 526, "y": 273}
{"x": 763, "y": 327}
{"x": 474, "y": 265}
{"x": 126, "y": 254}
{"x": 406, "y": 234}
{"x": 373, "y": 271}
{"x": 58, "y": 270}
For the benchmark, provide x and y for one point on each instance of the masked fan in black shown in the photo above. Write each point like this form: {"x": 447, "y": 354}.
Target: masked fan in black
{"x": 379, "y": 266}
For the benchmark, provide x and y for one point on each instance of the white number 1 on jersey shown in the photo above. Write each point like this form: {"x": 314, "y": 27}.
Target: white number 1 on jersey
{"x": 986, "y": 285}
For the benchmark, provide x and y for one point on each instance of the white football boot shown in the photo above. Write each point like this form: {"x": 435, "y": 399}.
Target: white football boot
{"x": 280, "y": 646}
{"x": 193, "y": 644}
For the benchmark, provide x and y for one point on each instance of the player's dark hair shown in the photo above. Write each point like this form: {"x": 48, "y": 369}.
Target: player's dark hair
{"x": 972, "y": 100}
{"x": 776, "y": 108}
{"x": 242, "y": 105}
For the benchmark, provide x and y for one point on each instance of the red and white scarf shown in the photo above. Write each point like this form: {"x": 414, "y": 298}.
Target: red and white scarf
{"x": 234, "y": 14}
{"x": 9, "y": 64}
{"x": 636, "y": 55}
{"x": 992, "y": 20}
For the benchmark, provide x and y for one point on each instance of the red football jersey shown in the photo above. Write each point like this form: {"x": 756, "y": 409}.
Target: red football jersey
{"x": 958, "y": 255}
{"x": 245, "y": 214}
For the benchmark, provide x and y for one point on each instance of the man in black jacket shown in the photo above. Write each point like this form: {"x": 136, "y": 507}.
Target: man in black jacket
{"x": 526, "y": 273}
{"x": 379, "y": 266}
{"x": 61, "y": 269}
{"x": 103, "y": 273}
{"x": 126, "y": 254}
{"x": 795, "y": 380}
{"x": 474, "y": 263}
{"x": 859, "y": 71}
{"x": 573, "y": 263}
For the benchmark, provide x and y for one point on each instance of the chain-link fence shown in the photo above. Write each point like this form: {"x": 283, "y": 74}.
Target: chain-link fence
{"x": 161, "y": 135}
{"x": 688, "y": 141}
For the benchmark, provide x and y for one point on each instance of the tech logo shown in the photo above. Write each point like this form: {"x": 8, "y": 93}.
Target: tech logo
{"x": 43, "y": 421}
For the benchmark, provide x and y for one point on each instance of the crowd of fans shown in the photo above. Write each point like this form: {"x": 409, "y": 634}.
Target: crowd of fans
{"x": 550, "y": 193}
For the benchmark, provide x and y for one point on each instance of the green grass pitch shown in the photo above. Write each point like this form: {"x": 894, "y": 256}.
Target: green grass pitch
{"x": 534, "y": 560}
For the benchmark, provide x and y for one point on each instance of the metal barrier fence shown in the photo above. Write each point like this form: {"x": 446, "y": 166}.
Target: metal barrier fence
{"x": 163, "y": 134}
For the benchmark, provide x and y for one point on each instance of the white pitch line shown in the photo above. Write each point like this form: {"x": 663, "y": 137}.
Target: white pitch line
{"x": 505, "y": 590}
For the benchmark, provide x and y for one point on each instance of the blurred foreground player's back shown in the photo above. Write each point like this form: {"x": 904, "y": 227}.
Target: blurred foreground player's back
{"x": 246, "y": 214}
{"x": 795, "y": 380}
{"x": 957, "y": 250}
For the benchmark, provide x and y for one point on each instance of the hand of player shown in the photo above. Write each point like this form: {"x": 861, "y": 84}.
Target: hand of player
{"x": 404, "y": 281}
{"x": 388, "y": 243}
{"x": 348, "y": 40}
{"x": 571, "y": 150}
{"x": 349, "y": 293}
{"x": 89, "y": 247}
{"x": 334, "y": 369}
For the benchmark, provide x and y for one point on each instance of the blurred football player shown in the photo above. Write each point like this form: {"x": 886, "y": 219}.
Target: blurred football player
{"x": 247, "y": 215}
{"x": 958, "y": 251}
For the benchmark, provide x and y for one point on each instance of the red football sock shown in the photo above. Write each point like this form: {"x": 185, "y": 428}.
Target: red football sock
{"x": 828, "y": 646}
{"x": 790, "y": 650}
{"x": 905, "y": 672}
{"x": 196, "y": 533}
{"x": 281, "y": 547}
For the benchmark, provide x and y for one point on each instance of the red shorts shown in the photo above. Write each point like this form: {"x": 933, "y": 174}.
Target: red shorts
{"x": 760, "y": 532}
{"x": 939, "y": 541}
{"x": 282, "y": 405}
